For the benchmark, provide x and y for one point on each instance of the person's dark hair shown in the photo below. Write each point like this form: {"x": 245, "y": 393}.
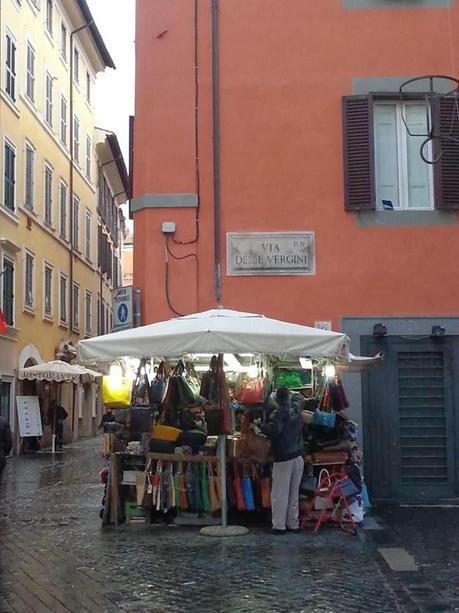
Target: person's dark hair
{"x": 282, "y": 395}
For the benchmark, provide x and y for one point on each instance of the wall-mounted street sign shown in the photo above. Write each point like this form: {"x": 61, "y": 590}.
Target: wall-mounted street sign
{"x": 123, "y": 308}
{"x": 270, "y": 253}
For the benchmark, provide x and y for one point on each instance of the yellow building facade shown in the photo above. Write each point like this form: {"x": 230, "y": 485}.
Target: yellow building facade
{"x": 52, "y": 287}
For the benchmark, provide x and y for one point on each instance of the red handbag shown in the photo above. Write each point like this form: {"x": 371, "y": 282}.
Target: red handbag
{"x": 252, "y": 391}
{"x": 239, "y": 494}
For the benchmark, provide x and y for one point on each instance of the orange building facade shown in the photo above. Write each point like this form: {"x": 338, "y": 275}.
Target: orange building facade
{"x": 277, "y": 169}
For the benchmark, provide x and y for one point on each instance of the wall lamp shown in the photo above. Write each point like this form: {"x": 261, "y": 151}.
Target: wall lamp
{"x": 438, "y": 331}
{"x": 379, "y": 330}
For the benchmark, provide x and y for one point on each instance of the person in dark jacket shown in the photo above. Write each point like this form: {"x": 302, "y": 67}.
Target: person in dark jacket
{"x": 56, "y": 417}
{"x": 285, "y": 430}
{"x": 6, "y": 443}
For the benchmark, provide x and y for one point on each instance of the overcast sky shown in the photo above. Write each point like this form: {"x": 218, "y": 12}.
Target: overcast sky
{"x": 115, "y": 88}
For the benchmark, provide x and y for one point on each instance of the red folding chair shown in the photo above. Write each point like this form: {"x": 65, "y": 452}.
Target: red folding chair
{"x": 336, "y": 507}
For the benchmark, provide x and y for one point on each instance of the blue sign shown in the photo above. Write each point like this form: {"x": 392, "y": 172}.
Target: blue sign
{"x": 123, "y": 312}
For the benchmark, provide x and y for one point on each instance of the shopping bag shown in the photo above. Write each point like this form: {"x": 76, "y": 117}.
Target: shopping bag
{"x": 116, "y": 394}
{"x": 239, "y": 495}
{"x": 356, "y": 510}
{"x": 213, "y": 490}
{"x": 252, "y": 391}
{"x": 205, "y": 495}
{"x": 247, "y": 491}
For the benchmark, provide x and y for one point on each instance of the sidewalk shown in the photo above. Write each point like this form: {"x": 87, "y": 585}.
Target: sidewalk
{"x": 54, "y": 556}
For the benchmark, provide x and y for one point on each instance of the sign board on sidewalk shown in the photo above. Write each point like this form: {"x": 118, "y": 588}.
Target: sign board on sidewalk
{"x": 270, "y": 253}
{"x": 123, "y": 308}
{"x": 29, "y": 416}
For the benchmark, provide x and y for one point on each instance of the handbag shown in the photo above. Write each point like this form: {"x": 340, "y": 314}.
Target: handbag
{"x": 209, "y": 381}
{"x": 238, "y": 493}
{"x": 182, "y": 498}
{"x": 329, "y": 457}
{"x": 255, "y": 447}
{"x": 324, "y": 485}
{"x": 159, "y": 384}
{"x": 252, "y": 391}
{"x": 118, "y": 395}
{"x": 247, "y": 491}
{"x": 205, "y": 494}
{"x": 214, "y": 500}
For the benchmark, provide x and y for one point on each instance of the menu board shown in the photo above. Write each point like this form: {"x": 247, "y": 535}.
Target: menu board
{"x": 29, "y": 416}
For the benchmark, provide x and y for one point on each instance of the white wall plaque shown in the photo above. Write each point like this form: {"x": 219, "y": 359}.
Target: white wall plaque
{"x": 270, "y": 253}
{"x": 29, "y": 416}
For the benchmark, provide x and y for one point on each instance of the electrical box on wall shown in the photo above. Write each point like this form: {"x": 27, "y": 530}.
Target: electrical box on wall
{"x": 168, "y": 227}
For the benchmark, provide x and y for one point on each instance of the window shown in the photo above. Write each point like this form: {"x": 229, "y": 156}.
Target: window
{"x": 76, "y": 139}
{"x": 76, "y": 65}
{"x": 10, "y": 68}
{"x": 88, "y": 235}
{"x": 63, "y": 209}
{"x": 9, "y": 185}
{"x": 5, "y": 399}
{"x": 76, "y": 216}
{"x": 29, "y": 176}
{"x": 63, "y": 299}
{"x": 49, "y": 16}
{"x": 48, "y": 292}
{"x": 48, "y": 195}
{"x": 63, "y": 121}
{"x": 30, "y": 72}
{"x": 29, "y": 284}
{"x": 64, "y": 42}
{"x": 87, "y": 310}
{"x": 88, "y": 88}
{"x": 7, "y": 283}
{"x": 88, "y": 157}
{"x": 49, "y": 99}
{"x": 75, "y": 305}
{"x": 403, "y": 179}
{"x": 383, "y": 168}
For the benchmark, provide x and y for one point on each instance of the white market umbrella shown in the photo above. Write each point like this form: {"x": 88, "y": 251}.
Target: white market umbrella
{"x": 60, "y": 372}
{"x": 216, "y": 331}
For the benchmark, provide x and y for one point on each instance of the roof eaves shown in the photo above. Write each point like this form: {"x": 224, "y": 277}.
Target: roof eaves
{"x": 119, "y": 160}
{"x": 96, "y": 35}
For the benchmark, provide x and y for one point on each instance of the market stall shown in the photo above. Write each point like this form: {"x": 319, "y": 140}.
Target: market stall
{"x": 247, "y": 355}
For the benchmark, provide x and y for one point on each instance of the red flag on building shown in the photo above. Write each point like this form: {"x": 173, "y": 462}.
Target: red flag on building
{"x": 3, "y": 324}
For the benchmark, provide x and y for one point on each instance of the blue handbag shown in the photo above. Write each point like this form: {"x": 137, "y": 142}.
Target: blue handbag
{"x": 247, "y": 491}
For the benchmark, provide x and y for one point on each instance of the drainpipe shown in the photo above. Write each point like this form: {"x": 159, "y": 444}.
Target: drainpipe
{"x": 216, "y": 152}
{"x": 71, "y": 169}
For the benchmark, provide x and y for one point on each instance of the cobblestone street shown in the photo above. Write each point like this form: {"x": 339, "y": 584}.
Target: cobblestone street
{"x": 55, "y": 557}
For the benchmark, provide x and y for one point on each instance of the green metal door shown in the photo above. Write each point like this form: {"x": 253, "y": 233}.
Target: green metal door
{"x": 409, "y": 420}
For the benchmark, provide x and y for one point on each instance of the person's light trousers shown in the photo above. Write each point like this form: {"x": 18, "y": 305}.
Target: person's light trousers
{"x": 285, "y": 493}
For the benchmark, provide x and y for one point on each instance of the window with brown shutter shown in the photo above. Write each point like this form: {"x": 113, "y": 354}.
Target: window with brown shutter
{"x": 359, "y": 184}
{"x": 446, "y": 170}
{"x": 383, "y": 167}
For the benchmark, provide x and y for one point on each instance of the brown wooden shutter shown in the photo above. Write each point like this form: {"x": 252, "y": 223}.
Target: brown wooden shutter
{"x": 446, "y": 171}
{"x": 359, "y": 172}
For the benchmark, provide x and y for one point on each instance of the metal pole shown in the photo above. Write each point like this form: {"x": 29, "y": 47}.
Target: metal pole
{"x": 223, "y": 502}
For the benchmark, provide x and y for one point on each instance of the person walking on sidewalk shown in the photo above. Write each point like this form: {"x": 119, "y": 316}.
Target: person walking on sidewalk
{"x": 56, "y": 417}
{"x": 285, "y": 430}
{"x": 6, "y": 443}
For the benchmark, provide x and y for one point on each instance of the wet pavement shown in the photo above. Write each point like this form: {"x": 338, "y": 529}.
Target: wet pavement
{"x": 55, "y": 557}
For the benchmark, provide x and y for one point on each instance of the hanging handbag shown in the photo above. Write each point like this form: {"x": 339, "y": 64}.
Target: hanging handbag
{"x": 252, "y": 391}
{"x": 182, "y": 499}
{"x": 205, "y": 494}
{"x": 247, "y": 491}
{"x": 265, "y": 486}
{"x": 324, "y": 485}
{"x": 237, "y": 486}
{"x": 159, "y": 384}
{"x": 116, "y": 394}
{"x": 208, "y": 388}
{"x": 214, "y": 500}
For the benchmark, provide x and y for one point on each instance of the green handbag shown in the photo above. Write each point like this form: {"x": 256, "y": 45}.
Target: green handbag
{"x": 205, "y": 496}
